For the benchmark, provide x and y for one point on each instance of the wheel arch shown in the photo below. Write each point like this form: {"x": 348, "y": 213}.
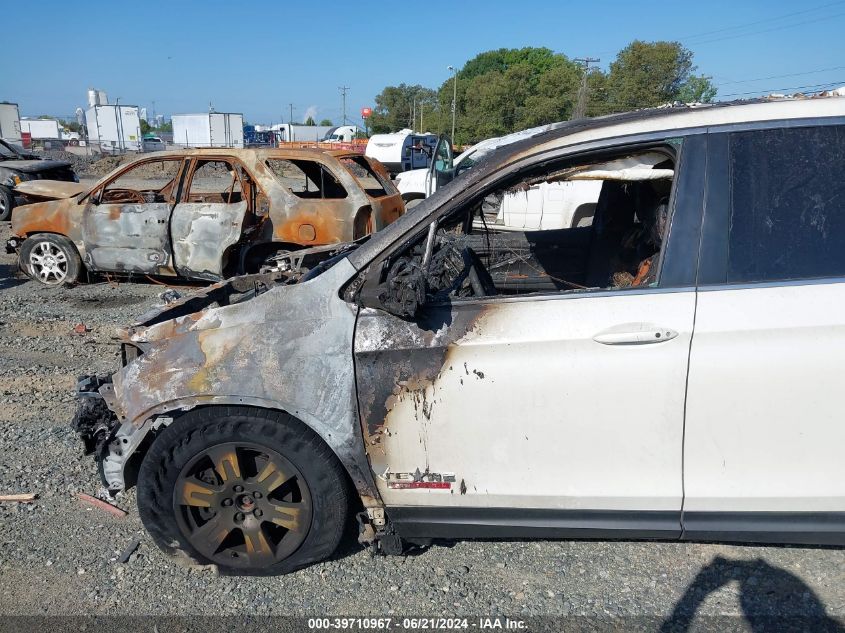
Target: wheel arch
{"x": 350, "y": 455}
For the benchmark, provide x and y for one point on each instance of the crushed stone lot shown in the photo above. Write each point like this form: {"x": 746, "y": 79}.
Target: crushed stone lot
{"x": 59, "y": 556}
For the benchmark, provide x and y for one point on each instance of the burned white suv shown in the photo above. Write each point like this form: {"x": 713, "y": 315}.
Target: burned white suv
{"x": 668, "y": 369}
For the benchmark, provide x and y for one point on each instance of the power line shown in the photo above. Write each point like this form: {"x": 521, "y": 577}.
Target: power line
{"x": 821, "y": 86}
{"x": 776, "y": 28}
{"x": 774, "y": 19}
{"x": 807, "y": 72}
{"x": 686, "y": 39}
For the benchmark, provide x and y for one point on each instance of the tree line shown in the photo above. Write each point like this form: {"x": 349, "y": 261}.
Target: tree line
{"x": 506, "y": 90}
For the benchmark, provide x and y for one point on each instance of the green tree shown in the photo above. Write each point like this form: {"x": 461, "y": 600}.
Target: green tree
{"x": 506, "y": 90}
{"x": 72, "y": 126}
{"x": 697, "y": 89}
{"x": 145, "y": 127}
{"x": 648, "y": 74}
{"x": 310, "y": 121}
{"x": 326, "y": 122}
{"x": 394, "y": 108}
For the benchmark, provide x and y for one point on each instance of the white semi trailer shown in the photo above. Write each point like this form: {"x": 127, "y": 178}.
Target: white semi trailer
{"x": 210, "y": 129}
{"x": 10, "y": 122}
{"x": 114, "y": 128}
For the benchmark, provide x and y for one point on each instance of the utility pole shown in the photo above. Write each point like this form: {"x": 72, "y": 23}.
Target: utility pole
{"x": 290, "y": 118}
{"x": 454, "y": 100}
{"x": 343, "y": 90}
{"x": 580, "y": 110}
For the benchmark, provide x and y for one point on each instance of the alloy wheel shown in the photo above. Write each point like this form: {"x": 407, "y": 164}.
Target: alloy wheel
{"x": 49, "y": 263}
{"x": 242, "y": 505}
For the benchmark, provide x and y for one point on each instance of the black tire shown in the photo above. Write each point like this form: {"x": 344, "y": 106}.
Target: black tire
{"x": 162, "y": 486}
{"x": 7, "y": 203}
{"x": 50, "y": 259}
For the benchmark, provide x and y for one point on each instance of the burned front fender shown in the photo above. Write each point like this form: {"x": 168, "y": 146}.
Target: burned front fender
{"x": 289, "y": 348}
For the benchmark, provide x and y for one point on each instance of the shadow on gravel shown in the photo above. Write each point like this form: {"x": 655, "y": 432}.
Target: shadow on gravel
{"x": 9, "y": 278}
{"x": 772, "y": 599}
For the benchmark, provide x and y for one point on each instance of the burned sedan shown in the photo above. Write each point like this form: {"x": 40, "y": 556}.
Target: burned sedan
{"x": 201, "y": 214}
{"x": 647, "y": 374}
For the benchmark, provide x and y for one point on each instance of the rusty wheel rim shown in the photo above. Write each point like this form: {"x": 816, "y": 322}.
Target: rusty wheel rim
{"x": 242, "y": 505}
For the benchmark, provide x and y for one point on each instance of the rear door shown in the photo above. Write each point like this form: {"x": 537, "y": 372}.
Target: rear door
{"x": 125, "y": 226}
{"x": 765, "y": 427}
{"x": 209, "y": 218}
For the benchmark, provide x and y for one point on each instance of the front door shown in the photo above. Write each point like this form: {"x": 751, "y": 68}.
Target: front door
{"x": 126, "y": 221}
{"x": 560, "y": 407}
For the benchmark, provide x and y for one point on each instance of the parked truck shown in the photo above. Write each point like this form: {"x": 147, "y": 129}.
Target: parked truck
{"x": 208, "y": 129}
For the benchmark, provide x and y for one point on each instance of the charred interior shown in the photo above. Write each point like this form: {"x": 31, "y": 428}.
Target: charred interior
{"x": 611, "y": 242}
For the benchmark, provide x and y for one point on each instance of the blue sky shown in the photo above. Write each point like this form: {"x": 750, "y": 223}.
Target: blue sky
{"x": 256, "y": 57}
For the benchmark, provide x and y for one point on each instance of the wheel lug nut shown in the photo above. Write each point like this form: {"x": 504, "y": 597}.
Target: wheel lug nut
{"x": 239, "y": 517}
{"x": 256, "y": 494}
{"x": 258, "y": 512}
{"x": 239, "y": 488}
{"x": 227, "y": 502}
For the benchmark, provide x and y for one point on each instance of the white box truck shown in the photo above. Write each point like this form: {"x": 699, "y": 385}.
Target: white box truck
{"x": 10, "y": 122}
{"x": 211, "y": 129}
{"x": 41, "y": 129}
{"x": 114, "y": 128}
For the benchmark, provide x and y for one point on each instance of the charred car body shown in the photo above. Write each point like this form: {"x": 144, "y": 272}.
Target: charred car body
{"x": 17, "y": 166}
{"x": 201, "y": 214}
{"x": 453, "y": 382}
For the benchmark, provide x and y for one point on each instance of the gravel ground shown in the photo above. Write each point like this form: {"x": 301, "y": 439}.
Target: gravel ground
{"x": 58, "y": 556}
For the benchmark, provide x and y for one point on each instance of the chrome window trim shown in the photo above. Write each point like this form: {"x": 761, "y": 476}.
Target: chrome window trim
{"x": 750, "y": 285}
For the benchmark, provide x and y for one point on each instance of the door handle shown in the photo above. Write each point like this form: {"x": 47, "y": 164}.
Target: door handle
{"x": 635, "y": 334}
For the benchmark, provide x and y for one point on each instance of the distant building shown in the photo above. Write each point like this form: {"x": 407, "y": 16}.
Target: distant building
{"x": 144, "y": 116}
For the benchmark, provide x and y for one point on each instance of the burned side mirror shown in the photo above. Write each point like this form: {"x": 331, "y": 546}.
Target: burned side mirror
{"x": 403, "y": 292}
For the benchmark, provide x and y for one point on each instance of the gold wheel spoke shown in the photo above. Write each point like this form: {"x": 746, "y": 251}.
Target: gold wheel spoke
{"x": 226, "y": 462}
{"x": 287, "y": 515}
{"x": 257, "y": 547}
{"x": 196, "y": 494}
{"x": 211, "y": 534}
{"x": 272, "y": 477}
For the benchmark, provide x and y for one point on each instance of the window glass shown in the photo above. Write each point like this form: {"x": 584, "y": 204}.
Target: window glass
{"x": 787, "y": 204}
{"x": 306, "y": 178}
{"x": 148, "y": 181}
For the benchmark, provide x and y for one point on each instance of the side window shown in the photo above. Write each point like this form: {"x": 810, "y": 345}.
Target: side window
{"x": 608, "y": 234}
{"x": 787, "y": 204}
{"x": 147, "y": 182}
{"x": 376, "y": 185}
{"x": 215, "y": 181}
{"x": 306, "y": 178}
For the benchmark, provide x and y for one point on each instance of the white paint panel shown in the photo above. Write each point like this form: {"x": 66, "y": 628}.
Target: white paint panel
{"x": 765, "y": 426}
{"x": 530, "y": 411}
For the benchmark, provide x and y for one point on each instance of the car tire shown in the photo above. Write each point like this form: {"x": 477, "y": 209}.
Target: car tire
{"x": 204, "y": 492}
{"x": 7, "y": 203}
{"x": 50, "y": 259}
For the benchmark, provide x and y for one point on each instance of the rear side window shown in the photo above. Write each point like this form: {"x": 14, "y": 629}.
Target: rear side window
{"x": 788, "y": 204}
{"x": 306, "y": 178}
{"x": 371, "y": 181}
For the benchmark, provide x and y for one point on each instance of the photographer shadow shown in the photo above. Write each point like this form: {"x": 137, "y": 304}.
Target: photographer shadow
{"x": 768, "y": 597}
